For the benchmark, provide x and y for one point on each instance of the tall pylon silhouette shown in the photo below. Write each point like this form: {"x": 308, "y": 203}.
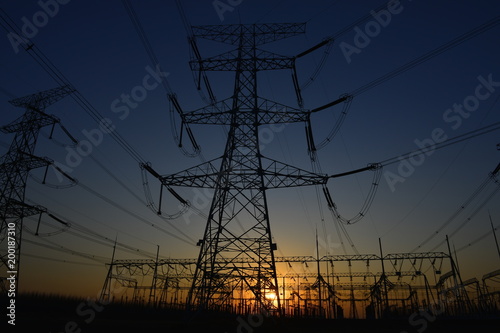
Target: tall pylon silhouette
{"x": 237, "y": 249}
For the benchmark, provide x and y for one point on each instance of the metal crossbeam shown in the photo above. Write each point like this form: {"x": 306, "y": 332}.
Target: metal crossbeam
{"x": 262, "y": 33}
{"x": 294, "y": 259}
{"x": 229, "y": 61}
{"x": 269, "y": 112}
{"x": 353, "y": 257}
{"x": 275, "y": 174}
{"x": 413, "y": 256}
{"x": 42, "y": 100}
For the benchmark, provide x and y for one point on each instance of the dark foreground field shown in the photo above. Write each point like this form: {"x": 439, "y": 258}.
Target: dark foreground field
{"x": 57, "y": 314}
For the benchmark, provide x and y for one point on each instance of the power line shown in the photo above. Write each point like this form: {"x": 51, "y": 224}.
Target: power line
{"x": 122, "y": 184}
{"x": 7, "y": 93}
{"x": 489, "y": 179}
{"x": 357, "y": 22}
{"x": 451, "y": 141}
{"x": 461, "y": 208}
{"x": 72, "y": 223}
{"x": 109, "y": 201}
{"x": 455, "y": 42}
{"x": 324, "y": 10}
{"x": 187, "y": 240}
{"x": 144, "y": 40}
{"x": 10, "y": 26}
{"x": 479, "y": 239}
{"x": 92, "y": 236}
{"x": 60, "y": 248}
{"x": 166, "y": 86}
{"x": 452, "y": 162}
{"x": 60, "y": 260}
{"x": 425, "y": 57}
{"x": 471, "y": 216}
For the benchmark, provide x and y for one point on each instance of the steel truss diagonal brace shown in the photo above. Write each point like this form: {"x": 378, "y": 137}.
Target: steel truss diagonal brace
{"x": 42, "y": 99}
{"x": 270, "y": 112}
{"x": 15, "y": 208}
{"x": 21, "y": 123}
{"x": 230, "y": 61}
{"x": 264, "y": 33}
{"x": 203, "y": 176}
{"x": 275, "y": 174}
{"x": 281, "y": 175}
{"x": 26, "y": 162}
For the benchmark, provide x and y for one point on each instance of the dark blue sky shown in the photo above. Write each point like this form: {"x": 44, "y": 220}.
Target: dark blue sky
{"x": 96, "y": 47}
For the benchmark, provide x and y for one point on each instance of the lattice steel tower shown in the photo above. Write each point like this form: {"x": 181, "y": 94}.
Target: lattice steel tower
{"x": 236, "y": 252}
{"x": 15, "y": 166}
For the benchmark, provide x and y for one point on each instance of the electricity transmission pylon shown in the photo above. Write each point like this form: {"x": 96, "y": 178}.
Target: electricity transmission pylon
{"x": 15, "y": 166}
{"x": 236, "y": 252}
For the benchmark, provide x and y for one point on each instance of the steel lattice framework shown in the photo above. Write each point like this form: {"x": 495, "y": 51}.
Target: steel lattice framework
{"x": 237, "y": 248}
{"x": 322, "y": 286}
{"x": 15, "y": 166}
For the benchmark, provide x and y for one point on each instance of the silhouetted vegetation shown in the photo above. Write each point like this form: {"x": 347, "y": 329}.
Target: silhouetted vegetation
{"x": 57, "y": 313}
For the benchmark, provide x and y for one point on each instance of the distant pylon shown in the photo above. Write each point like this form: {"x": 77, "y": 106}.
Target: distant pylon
{"x": 15, "y": 166}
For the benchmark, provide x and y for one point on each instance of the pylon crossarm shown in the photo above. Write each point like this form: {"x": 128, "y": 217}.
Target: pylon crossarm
{"x": 270, "y": 112}
{"x": 229, "y": 61}
{"x": 223, "y": 62}
{"x": 31, "y": 161}
{"x": 203, "y": 175}
{"x": 276, "y": 175}
{"x": 264, "y": 33}
{"x": 26, "y": 163}
{"x": 216, "y": 114}
{"x": 280, "y": 175}
{"x": 15, "y": 208}
{"x": 43, "y": 99}
{"x": 23, "y": 122}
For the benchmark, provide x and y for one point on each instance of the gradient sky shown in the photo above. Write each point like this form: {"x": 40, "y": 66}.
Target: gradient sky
{"x": 96, "y": 47}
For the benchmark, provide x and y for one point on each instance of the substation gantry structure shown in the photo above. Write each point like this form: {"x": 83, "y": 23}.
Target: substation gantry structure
{"x": 338, "y": 286}
{"x": 15, "y": 167}
{"x": 237, "y": 249}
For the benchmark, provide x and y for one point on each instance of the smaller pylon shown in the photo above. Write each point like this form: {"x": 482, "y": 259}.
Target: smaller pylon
{"x": 15, "y": 166}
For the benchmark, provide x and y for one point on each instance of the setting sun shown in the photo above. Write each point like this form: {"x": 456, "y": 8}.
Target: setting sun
{"x": 271, "y": 296}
